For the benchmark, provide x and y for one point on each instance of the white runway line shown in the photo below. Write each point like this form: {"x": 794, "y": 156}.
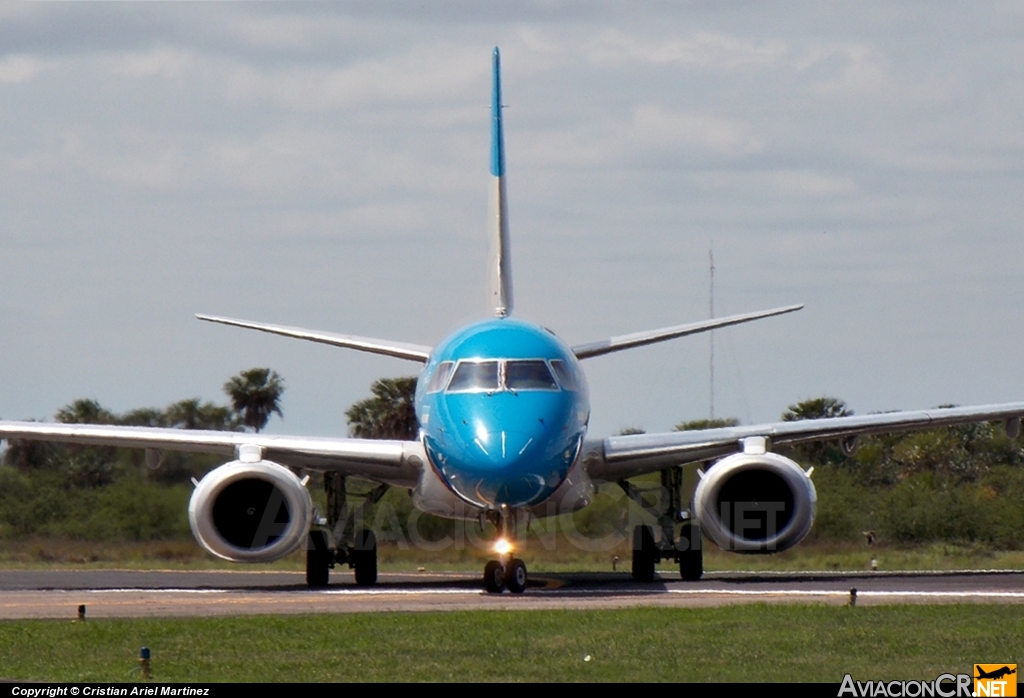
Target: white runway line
{"x": 148, "y": 591}
{"x": 948, "y": 594}
{"x": 579, "y": 592}
{"x": 276, "y": 592}
{"x": 860, "y": 593}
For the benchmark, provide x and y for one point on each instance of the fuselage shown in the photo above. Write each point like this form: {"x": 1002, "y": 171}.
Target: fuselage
{"x": 503, "y": 407}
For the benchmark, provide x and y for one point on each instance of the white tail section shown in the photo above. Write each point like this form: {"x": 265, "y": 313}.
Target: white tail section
{"x": 500, "y": 282}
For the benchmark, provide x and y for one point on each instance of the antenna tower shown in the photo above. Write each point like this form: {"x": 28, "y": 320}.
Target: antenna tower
{"x": 711, "y": 334}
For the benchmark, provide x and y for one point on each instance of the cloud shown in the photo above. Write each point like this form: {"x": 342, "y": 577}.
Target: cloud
{"x": 331, "y": 159}
{"x": 20, "y": 68}
{"x": 703, "y": 49}
{"x": 845, "y": 69}
{"x": 436, "y": 73}
{"x": 162, "y": 62}
{"x": 805, "y": 183}
{"x": 653, "y": 126}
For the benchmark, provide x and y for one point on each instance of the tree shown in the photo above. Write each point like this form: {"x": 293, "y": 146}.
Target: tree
{"x": 87, "y": 466}
{"x": 85, "y": 412}
{"x": 28, "y": 455}
{"x": 255, "y": 395}
{"x": 193, "y": 414}
{"x": 389, "y": 414}
{"x": 816, "y": 408}
{"x": 713, "y": 423}
{"x": 143, "y": 417}
{"x": 818, "y": 452}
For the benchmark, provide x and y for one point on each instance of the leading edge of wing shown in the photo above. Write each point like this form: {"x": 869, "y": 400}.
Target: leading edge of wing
{"x": 399, "y": 350}
{"x": 639, "y": 339}
{"x": 641, "y": 453}
{"x": 374, "y": 459}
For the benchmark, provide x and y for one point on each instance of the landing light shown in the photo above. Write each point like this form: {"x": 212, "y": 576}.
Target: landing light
{"x": 502, "y": 546}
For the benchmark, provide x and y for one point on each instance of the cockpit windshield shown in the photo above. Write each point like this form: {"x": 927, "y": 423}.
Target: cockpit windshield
{"x": 474, "y": 376}
{"x": 511, "y": 374}
{"x": 440, "y": 377}
{"x": 564, "y": 373}
{"x": 529, "y": 375}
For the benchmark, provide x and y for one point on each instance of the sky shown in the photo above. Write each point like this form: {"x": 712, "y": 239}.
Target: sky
{"x": 325, "y": 165}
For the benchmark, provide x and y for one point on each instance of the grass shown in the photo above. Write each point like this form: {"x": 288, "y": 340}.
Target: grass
{"x": 733, "y": 643}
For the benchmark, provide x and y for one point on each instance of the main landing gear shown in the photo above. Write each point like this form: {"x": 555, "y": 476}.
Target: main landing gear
{"x": 507, "y": 572}
{"x": 687, "y": 552}
{"x": 686, "y": 549}
{"x": 319, "y": 559}
{"x": 361, "y": 557}
{"x": 360, "y": 554}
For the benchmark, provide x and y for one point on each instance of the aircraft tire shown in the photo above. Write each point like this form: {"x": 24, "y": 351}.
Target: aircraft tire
{"x": 364, "y": 558}
{"x": 494, "y": 577}
{"x": 318, "y": 560}
{"x": 515, "y": 576}
{"x": 691, "y": 560}
{"x": 645, "y": 554}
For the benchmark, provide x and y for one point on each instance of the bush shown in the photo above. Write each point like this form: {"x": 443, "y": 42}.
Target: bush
{"x": 129, "y": 509}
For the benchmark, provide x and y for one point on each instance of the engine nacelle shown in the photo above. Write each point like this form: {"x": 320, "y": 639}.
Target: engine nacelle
{"x": 250, "y": 512}
{"x": 755, "y": 503}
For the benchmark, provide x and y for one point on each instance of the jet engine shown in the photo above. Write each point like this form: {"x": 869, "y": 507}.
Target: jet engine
{"x": 755, "y": 503}
{"x": 250, "y": 511}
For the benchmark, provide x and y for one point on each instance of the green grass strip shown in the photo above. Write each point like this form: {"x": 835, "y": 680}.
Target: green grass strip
{"x": 734, "y": 643}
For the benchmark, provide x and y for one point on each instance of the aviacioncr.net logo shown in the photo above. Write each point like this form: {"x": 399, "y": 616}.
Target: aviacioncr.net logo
{"x": 943, "y": 686}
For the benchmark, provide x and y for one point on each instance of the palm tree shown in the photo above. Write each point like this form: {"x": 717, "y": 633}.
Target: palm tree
{"x": 255, "y": 395}
{"x": 712, "y": 423}
{"x": 818, "y": 452}
{"x": 816, "y": 408}
{"x": 389, "y": 414}
{"x": 193, "y": 414}
{"x": 85, "y": 412}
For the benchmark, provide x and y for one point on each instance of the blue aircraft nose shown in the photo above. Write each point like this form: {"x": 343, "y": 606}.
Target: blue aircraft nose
{"x": 511, "y": 449}
{"x": 501, "y": 447}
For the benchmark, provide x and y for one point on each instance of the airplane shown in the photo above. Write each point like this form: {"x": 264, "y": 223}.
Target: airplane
{"x": 995, "y": 673}
{"x": 503, "y": 410}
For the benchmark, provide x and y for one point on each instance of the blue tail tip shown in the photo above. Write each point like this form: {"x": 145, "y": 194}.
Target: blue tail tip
{"x": 497, "y": 138}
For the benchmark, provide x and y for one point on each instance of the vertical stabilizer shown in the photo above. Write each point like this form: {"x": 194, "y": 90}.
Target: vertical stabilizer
{"x": 500, "y": 258}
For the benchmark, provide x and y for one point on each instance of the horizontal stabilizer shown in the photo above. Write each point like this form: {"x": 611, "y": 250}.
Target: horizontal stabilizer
{"x": 639, "y": 339}
{"x": 399, "y": 350}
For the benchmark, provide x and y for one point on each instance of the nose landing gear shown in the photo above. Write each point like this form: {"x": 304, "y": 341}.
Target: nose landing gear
{"x": 507, "y": 572}
{"x": 510, "y": 575}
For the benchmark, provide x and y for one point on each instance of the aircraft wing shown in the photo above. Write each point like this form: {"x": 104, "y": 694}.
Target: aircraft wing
{"x": 618, "y": 457}
{"x": 399, "y": 350}
{"x": 394, "y": 462}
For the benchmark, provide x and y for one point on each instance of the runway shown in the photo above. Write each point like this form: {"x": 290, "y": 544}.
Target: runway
{"x": 168, "y": 593}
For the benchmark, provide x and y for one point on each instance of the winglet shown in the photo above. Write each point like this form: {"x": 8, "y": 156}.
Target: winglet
{"x": 500, "y": 285}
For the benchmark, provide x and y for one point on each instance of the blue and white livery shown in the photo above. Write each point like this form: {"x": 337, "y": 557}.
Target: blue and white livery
{"x": 503, "y": 409}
